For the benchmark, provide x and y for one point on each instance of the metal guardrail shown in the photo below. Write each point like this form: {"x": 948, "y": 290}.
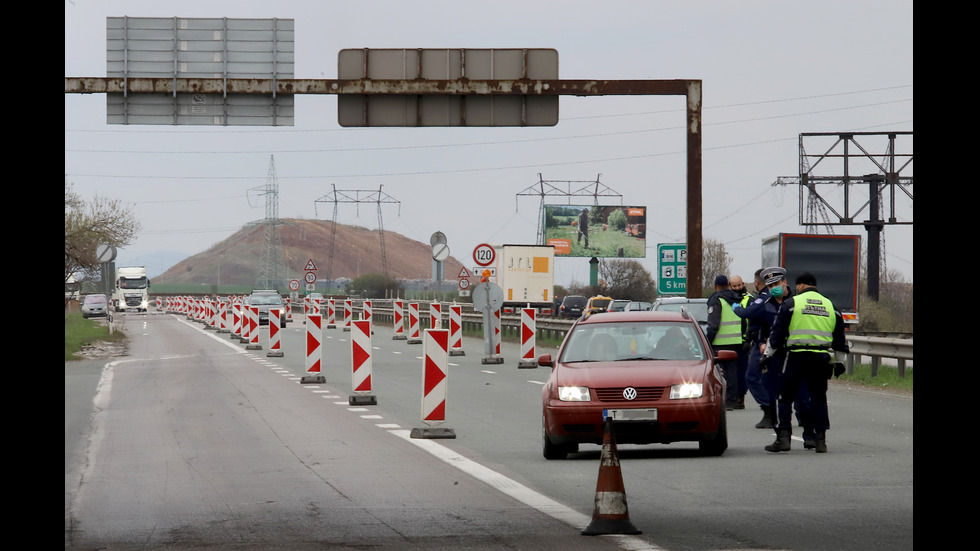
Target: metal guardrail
{"x": 878, "y": 348}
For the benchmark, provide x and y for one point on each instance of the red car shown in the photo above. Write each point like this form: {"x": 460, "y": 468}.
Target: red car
{"x": 652, "y": 372}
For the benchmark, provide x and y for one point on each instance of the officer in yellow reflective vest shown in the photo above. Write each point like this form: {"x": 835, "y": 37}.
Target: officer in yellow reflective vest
{"x": 807, "y": 327}
{"x": 725, "y": 333}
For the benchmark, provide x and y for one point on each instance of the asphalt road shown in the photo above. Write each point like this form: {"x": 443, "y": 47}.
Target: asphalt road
{"x": 190, "y": 441}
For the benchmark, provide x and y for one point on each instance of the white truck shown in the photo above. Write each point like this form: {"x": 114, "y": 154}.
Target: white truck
{"x": 131, "y": 289}
{"x": 526, "y": 274}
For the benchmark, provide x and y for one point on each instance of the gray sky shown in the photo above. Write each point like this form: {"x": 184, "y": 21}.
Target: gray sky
{"x": 771, "y": 70}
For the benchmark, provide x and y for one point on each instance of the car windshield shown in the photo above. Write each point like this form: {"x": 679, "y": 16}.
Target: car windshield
{"x": 628, "y": 341}
{"x": 265, "y": 300}
{"x": 697, "y": 309}
{"x": 95, "y": 299}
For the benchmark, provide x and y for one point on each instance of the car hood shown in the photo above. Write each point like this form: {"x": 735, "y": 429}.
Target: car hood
{"x": 631, "y": 373}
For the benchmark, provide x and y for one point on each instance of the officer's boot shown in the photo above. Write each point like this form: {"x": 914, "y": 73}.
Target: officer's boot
{"x": 782, "y": 442}
{"x": 809, "y": 439}
{"x": 766, "y": 422}
{"x": 820, "y": 442}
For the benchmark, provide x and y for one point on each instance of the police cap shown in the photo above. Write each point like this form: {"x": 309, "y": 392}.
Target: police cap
{"x": 773, "y": 274}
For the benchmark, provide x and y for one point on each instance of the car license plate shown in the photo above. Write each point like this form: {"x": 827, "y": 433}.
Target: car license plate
{"x": 630, "y": 414}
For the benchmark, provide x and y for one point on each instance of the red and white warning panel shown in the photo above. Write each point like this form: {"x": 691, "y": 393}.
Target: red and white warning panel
{"x": 314, "y": 335}
{"x": 399, "y": 322}
{"x": 528, "y": 330}
{"x": 456, "y": 330}
{"x": 348, "y": 314}
{"x": 275, "y": 348}
{"x": 413, "y": 324}
{"x": 360, "y": 355}
{"x": 435, "y": 380}
{"x": 435, "y": 315}
{"x": 331, "y": 314}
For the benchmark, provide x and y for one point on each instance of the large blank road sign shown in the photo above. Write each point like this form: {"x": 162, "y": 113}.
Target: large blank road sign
{"x": 399, "y": 109}
{"x": 178, "y": 47}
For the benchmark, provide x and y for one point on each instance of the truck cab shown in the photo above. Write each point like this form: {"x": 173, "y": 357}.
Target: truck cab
{"x": 131, "y": 289}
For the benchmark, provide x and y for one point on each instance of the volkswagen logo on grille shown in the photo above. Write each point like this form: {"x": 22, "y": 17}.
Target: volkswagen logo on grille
{"x": 629, "y": 393}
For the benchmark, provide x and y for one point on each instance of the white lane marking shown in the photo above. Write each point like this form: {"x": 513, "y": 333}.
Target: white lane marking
{"x": 517, "y": 490}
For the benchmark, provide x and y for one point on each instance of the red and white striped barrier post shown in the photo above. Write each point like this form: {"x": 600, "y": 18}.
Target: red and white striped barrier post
{"x": 253, "y": 329}
{"x": 331, "y": 314}
{"x": 435, "y": 315}
{"x": 496, "y": 331}
{"x": 399, "y": 323}
{"x": 366, "y": 313}
{"x": 348, "y": 313}
{"x": 435, "y": 379}
{"x": 236, "y": 314}
{"x": 360, "y": 356}
{"x": 314, "y": 334}
{"x": 289, "y": 310}
{"x": 214, "y": 314}
{"x": 246, "y": 324}
{"x": 528, "y": 330}
{"x": 413, "y": 323}
{"x": 223, "y": 316}
{"x": 456, "y": 330}
{"x": 275, "y": 347}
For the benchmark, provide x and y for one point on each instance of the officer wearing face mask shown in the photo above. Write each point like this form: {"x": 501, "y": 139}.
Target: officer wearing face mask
{"x": 773, "y": 360}
{"x": 809, "y": 328}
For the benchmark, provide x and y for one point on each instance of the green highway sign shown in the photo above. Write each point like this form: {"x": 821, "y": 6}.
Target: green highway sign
{"x": 672, "y": 268}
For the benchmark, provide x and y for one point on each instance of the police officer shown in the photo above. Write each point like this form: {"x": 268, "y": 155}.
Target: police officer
{"x": 752, "y": 310}
{"x": 725, "y": 333}
{"x": 738, "y": 287}
{"x": 807, "y": 327}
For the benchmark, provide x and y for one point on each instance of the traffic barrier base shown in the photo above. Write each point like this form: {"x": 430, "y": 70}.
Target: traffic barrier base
{"x": 432, "y": 432}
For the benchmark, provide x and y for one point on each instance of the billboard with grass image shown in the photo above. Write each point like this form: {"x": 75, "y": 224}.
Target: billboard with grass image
{"x": 599, "y": 231}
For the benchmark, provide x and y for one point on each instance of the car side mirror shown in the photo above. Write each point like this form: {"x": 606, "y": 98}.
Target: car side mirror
{"x": 544, "y": 360}
{"x": 726, "y": 356}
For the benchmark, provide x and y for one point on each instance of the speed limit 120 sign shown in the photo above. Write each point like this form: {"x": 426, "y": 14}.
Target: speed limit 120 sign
{"x": 484, "y": 255}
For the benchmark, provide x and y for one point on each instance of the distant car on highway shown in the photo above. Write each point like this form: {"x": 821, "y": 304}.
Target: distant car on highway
{"x": 617, "y": 305}
{"x": 653, "y": 373}
{"x": 264, "y": 300}
{"x": 638, "y": 306}
{"x": 572, "y": 306}
{"x": 94, "y": 306}
{"x": 596, "y": 305}
{"x": 698, "y": 307}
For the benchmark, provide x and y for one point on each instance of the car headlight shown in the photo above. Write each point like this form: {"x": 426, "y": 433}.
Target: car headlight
{"x": 686, "y": 390}
{"x": 574, "y": 394}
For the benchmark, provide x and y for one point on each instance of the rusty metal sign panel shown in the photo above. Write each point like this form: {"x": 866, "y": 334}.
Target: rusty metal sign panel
{"x": 397, "y": 108}
{"x": 175, "y": 47}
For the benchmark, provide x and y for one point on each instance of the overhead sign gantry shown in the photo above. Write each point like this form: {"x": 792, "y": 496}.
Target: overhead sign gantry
{"x": 533, "y": 89}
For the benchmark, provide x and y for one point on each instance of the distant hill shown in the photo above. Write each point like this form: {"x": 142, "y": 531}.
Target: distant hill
{"x": 356, "y": 251}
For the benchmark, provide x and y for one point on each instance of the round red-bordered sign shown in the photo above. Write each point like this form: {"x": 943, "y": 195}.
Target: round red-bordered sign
{"x": 484, "y": 255}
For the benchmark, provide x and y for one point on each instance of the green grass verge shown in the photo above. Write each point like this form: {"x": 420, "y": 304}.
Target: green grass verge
{"x": 887, "y": 377}
{"x": 80, "y": 331}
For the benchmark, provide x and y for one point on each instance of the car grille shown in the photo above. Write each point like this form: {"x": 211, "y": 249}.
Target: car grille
{"x": 133, "y": 301}
{"x": 643, "y": 393}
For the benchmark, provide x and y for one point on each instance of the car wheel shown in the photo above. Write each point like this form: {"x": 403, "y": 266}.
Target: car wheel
{"x": 549, "y": 449}
{"x": 719, "y": 443}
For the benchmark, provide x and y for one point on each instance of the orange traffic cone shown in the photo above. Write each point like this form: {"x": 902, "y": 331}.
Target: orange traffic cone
{"x": 611, "y": 514}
